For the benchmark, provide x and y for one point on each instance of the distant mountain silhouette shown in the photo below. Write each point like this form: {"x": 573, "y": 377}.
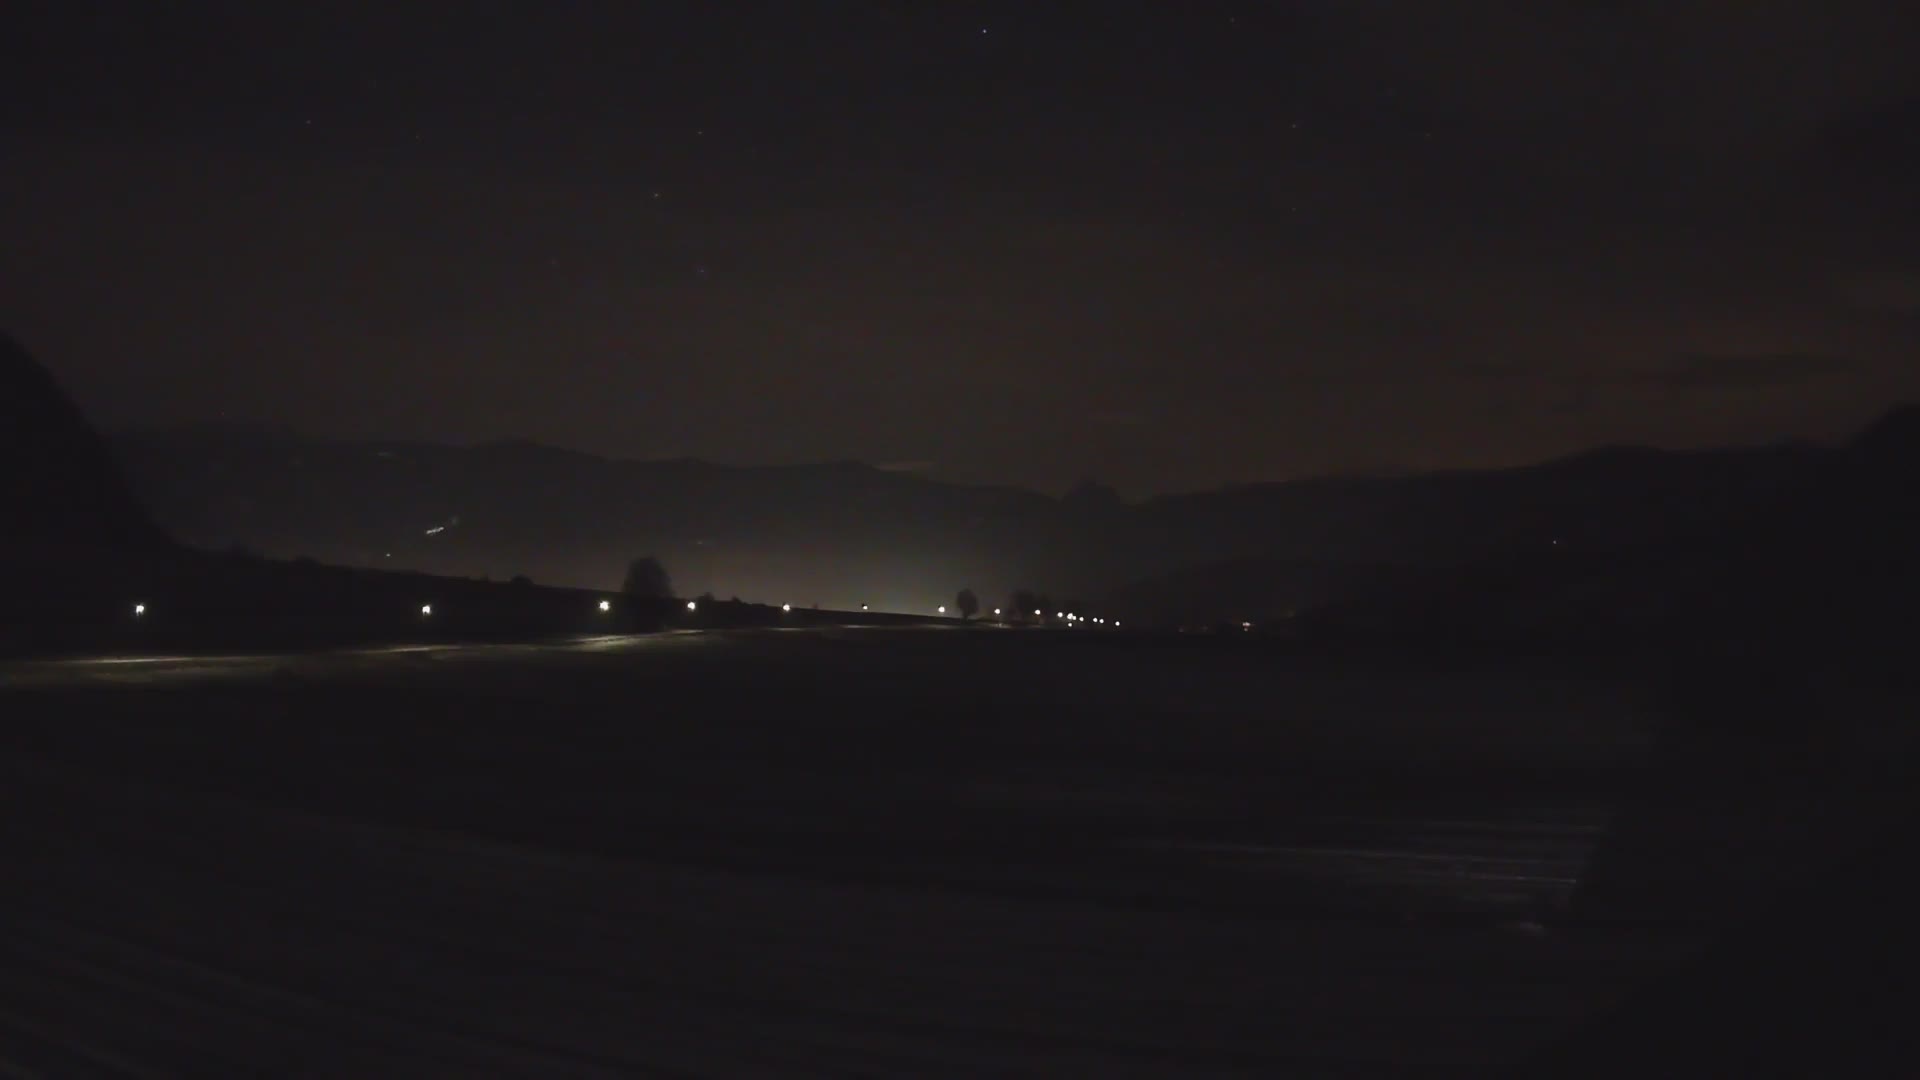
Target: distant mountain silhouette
{"x": 73, "y": 540}
{"x": 836, "y": 534}
{"x": 1647, "y": 526}
{"x": 1894, "y": 438}
{"x": 59, "y": 485}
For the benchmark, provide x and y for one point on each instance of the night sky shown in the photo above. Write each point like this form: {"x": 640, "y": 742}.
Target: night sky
{"x": 1166, "y": 245}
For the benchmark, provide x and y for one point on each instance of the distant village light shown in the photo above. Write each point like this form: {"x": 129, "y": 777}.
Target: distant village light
{"x": 426, "y": 609}
{"x": 606, "y": 605}
{"x": 139, "y": 610}
{"x": 692, "y": 606}
{"x": 786, "y": 607}
{"x": 943, "y": 609}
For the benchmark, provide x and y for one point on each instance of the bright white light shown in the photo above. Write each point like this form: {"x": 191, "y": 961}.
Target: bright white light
{"x": 426, "y": 609}
{"x": 139, "y": 610}
{"x": 863, "y": 607}
{"x": 436, "y": 530}
{"x": 606, "y": 605}
{"x": 1116, "y": 624}
{"x": 1059, "y": 615}
{"x": 691, "y": 606}
{"x": 1036, "y": 613}
{"x": 1246, "y": 626}
{"x": 996, "y": 611}
{"x": 786, "y": 607}
{"x": 1071, "y": 617}
{"x": 942, "y": 609}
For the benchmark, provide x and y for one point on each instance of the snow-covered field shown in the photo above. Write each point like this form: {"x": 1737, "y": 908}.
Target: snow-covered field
{"x": 792, "y": 853}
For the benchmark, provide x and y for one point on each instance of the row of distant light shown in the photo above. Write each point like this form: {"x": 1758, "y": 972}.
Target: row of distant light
{"x": 1067, "y": 616}
{"x": 140, "y": 610}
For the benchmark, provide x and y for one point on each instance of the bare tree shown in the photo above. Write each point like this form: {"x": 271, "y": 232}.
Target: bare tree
{"x": 1025, "y": 604}
{"x": 968, "y": 603}
{"x": 647, "y": 580}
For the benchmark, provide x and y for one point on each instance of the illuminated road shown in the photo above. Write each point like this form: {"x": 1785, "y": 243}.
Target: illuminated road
{"x": 270, "y": 864}
{"x": 119, "y": 668}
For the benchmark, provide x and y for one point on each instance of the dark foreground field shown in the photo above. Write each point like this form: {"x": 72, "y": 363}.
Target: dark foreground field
{"x": 885, "y": 852}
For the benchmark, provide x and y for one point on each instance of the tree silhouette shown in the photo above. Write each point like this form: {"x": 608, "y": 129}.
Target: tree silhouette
{"x": 1024, "y": 603}
{"x": 647, "y": 579}
{"x": 968, "y": 603}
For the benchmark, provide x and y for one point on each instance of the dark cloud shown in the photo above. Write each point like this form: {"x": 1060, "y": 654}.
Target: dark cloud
{"x": 1753, "y": 371}
{"x": 1169, "y": 248}
{"x": 1894, "y": 291}
{"x": 1493, "y": 370}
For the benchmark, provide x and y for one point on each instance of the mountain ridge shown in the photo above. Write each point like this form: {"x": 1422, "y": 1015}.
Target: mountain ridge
{"x": 847, "y": 533}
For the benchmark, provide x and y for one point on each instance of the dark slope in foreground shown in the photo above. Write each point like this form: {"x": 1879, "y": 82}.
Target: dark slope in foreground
{"x": 1805, "y": 864}
{"x": 1789, "y": 814}
{"x": 59, "y": 487}
{"x": 72, "y": 537}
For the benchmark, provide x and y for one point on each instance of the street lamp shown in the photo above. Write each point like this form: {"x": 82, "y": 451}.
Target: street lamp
{"x": 606, "y": 605}
{"x": 786, "y": 607}
{"x": 139, "y": 610}
{"x": 942, "y": 609}
{"x": 426, "y": 610}
{"x": 692, "y": 606}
